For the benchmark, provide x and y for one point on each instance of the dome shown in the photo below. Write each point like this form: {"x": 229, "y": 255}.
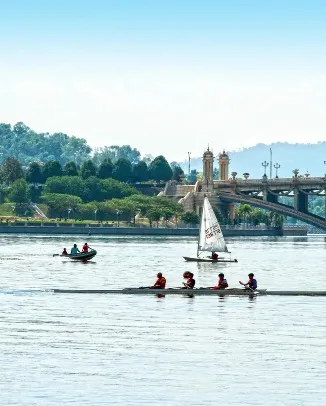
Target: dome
{"x": 223, "y": 155}
{"x": 208, "y": 152}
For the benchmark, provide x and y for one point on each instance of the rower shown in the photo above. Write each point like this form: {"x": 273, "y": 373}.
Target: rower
{"x": 214, "y": 256}
{"x": 160, "y": 283}
{"x": 74, "y": 249}
{"x": 251, "y": 284}
{"x": 190, "y": 283}
{"x": 86, "y": 247}
{"x": 222, "y": 283}
{"x": 64, "y": 252}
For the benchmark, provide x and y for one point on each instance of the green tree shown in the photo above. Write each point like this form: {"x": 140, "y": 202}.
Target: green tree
{"x": 26, "y": 145}
{"x": 177, "y": 172}
{"x": 244, "y": 212}
{"x": 140, "y": 172}
{"x": 34, "y": 173}
{"x": 51, "y": 168}
{"x": 70, "y": 169}
{"x": 75, "y": 149}
{"x": 115, "y": 152}
{"x": 87, "y": 169}
{"x": 190, "y": 217}
{"x": 159, "y": 169}
{"x": 11, "y": 170}
{"x": 277, "y": 219}
{"x": 18, "y": 192}
{"x": 70, "y": 185}
{"x": 61, "y": 203}
{"x": 122, "y": 170}
{"x": 105, "y": 169}
{"x": 154, "y": 214}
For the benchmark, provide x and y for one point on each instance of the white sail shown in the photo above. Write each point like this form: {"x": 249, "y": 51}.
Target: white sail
{"x": 211, "y": 237}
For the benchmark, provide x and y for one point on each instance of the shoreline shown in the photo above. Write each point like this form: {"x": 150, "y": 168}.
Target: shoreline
{"x": 92, "y": 229}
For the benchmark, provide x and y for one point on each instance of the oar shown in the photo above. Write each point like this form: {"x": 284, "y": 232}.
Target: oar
{"x": 55, "y": 255}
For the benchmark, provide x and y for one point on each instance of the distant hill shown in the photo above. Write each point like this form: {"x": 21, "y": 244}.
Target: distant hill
{"x": 305, "y": 157}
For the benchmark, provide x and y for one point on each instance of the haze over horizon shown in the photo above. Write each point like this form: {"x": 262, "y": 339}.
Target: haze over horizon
{"x": 166, "y": 77}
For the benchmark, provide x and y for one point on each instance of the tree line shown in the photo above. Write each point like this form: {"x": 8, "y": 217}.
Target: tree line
{"x": 158, "y": 170}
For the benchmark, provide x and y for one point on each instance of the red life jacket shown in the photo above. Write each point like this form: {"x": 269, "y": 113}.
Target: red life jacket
{"x": 222, "y": 284}
{"x": 160, "y": 283}
{"x": 191, "y": 283}
{"x": 85, "y": 248}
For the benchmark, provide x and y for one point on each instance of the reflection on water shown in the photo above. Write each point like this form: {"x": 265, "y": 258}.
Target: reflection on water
{"x": 149, "y": 350}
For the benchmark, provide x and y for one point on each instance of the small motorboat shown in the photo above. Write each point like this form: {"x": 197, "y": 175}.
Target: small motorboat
{"x": 81, "y": 256}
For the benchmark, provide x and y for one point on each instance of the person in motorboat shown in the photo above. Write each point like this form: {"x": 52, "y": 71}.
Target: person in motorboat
{"x": 190, "y": 283}
{"x": 222, "y": 283}
{"x": 214, "y": 256}
{"x": 86, "y": 247}
{"x": 251, "y": 284}
{"x": 160, "y": 283}
{"x": 64, "y": 252}
{"x": 74, "y": 249}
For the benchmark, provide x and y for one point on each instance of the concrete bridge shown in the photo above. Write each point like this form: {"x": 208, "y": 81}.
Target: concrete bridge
{"x": 264, "y": 193}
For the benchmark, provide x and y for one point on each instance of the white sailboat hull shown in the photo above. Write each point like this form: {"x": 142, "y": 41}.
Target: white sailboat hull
{"x": 196, "y": 259}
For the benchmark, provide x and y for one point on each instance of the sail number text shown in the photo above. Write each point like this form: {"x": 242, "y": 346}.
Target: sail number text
{"x": 211, "y": 231}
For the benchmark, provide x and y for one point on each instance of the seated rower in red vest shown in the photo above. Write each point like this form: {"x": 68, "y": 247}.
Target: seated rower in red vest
{"x": 252, "y": 283}
{"x": 222, "y": 283}
{"x": 190, "y": 283}
{"x": 160, "y": 283}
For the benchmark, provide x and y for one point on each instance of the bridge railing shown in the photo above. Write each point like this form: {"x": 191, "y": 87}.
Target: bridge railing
{"x": 274, "y": 181}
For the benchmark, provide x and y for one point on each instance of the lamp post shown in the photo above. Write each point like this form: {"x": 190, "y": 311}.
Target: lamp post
{"x": 277, "y": 167}
{"x": 189, "y": 155}
{"x": 118, "y": 213}
{"x": 69, "y": 210}
{"x": 265, "y": 165}
{"x": 95, "y": 211}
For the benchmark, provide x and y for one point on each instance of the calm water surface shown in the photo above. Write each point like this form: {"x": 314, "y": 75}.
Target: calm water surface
{"x": 59, "y": 349}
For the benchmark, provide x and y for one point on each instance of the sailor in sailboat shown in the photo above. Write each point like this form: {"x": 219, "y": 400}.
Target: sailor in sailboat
{"x": 214, "y": 256}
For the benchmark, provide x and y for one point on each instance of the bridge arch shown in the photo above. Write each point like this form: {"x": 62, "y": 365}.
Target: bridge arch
{"x": 281, "y": 209}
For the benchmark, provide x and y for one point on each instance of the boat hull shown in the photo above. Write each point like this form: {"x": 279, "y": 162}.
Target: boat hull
{"x": 195, "y": 259}
{"x": 146, "y": 291}
{"x": 82, "y": 256}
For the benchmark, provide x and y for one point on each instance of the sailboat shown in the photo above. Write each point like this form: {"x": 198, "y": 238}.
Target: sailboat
{"x": 210, "y": 237}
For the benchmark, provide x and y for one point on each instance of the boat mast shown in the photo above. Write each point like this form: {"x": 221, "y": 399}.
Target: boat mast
{"x": 201, "y": 219}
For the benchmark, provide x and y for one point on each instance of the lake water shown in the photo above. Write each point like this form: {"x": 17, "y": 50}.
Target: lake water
{"x": 70, "y": 349}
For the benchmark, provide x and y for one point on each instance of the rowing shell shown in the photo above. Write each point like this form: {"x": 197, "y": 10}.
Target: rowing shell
{"x": 146, "y": 291}
{"x": 197, "y": 292}
{"x": 192, "y": 259}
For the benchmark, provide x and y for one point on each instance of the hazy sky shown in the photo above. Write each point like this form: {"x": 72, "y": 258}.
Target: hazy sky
{"x": 166, "y": 76}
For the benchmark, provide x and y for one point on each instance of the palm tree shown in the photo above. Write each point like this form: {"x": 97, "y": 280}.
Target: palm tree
{"x": 244, "y": 211}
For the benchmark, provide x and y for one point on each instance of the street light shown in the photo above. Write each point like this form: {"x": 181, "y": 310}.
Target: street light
{"x": 189, "y": 155}
{"x": 95, "y": 211}
{"x": 118, "y": 213}
{"x": 277, "y": 167}
{"x": 265, "y": 165}
{"x": 69, "y": 210}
